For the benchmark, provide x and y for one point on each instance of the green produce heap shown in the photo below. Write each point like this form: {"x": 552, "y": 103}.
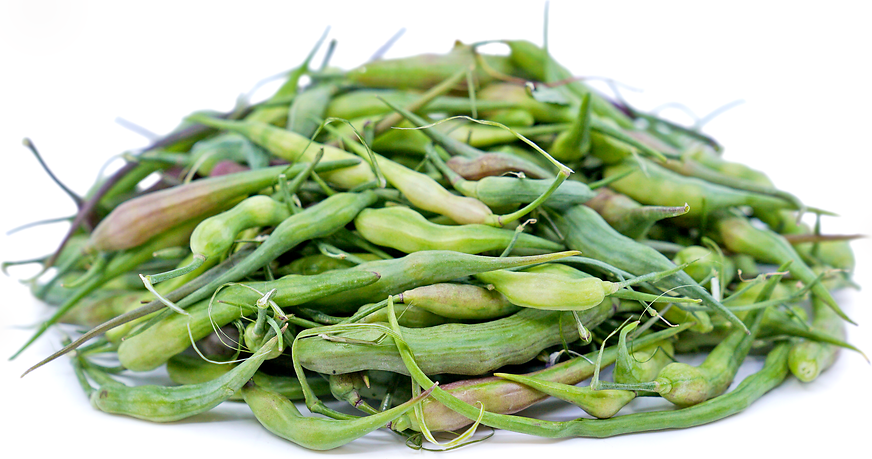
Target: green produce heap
{"x": 442, "y": 241}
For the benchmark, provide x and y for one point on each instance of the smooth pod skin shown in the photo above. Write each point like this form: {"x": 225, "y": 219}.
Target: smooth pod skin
{"x": 495, "y": 164}
{"x": 468, "y": 349}
{"x": 214, "y": 235}
{"x": 318, "y": 220}
{"x": 459, "y": 301}
{"x": 152, "y": 347}
{"x": 167, "y": 404}
{"x": 421, "y": 268}
{"x": 408, "y": 231}
{"x": 294, "y": 147}
{"x": 278, "y": 415}
{"x": 549, "y": 291}
{"x": 425, "y": 70}
{"x": 507, "y": 191}
{"x": 655, "y": 185}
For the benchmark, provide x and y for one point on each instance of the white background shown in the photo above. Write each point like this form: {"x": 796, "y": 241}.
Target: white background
{"x": 69, "y": 69}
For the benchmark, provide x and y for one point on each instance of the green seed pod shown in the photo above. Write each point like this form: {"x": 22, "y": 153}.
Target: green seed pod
{"x": 404, "y": 229}
{"x": 703, "y": 262}
{"x": 459, "y": 301}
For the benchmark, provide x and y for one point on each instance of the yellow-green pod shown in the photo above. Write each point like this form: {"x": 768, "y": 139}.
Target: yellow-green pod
{"x": 549, "y": 291}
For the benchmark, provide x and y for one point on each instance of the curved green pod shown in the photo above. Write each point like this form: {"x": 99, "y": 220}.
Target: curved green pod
{"x": 649, "y": 183}
{"x": 627, "y": 216}
{"x": 421, "y": 268}
{"x": 214, "y": 235}
{"x": 167, "y": 404}
{"x": 189, "y": 369}
{"x": 601, "y": 404}
{"x": 281, "y": 417}
{"x": 408, "y": 231}
{"x": 739, "y": 235}
{"x": 459, "y": 301}
{"x": 584, "y": 230}
{"x": 468, "y": 349}
{"x": 295, "y": 147}
{"x": 549, "y": 291}
{"x": 426, "y": 70}
{"x": 173, "y": 334}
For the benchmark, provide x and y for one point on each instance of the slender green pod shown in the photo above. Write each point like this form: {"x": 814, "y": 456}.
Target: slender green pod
{"x": 739, "y": 235}
{"x": 319, "y": 263}
{"x": 467, "y": 349}
{"x": 574, "y": 143}
{"x": 495, "y": 164}
{"x": 627, "y": 216}
{"x": 208, "y": 153}
{"x": 459, "y": 301}
{"x": 541, "y": 66}
{"x": 562, "y": 288}
{"x": 753, "y": 387}
{"x": 601, "y": 404}
{"x": 167, "y": 404}
{"x": 174, "y": 333}
{"x": 308, "y": 108}
{"x": 703, "y": 262}
{"x": 279, "y": 415}
{"x": 409, "y": 315}
{"x": 408, "y": 231}
{"x": 422, "y": 268}
{"x": 188, "y": 369}
{"x": 364, "y": 103}
{"x": 584, "y": 230}
{"x": 295, "y": 147}
{"x": 655, "y": 185}
{"x": 121, "y": 263}
{"x": 809, "y": 358}
{"x": 316, "y": 221}
{"x": 497, "y": 192}
{"x": 642, "y": 365}
{"x": 427, "y": 70}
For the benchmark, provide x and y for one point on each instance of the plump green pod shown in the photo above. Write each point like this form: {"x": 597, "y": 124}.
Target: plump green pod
{"x": 807, "y": 358}
{"x": 652, "y": 184}
{"x": 295, "y": 147}
{"x": 539, "y": 65}
{"x": 425, "y": 193}
{"x": 705, "y": 155}
{"x": 627, "y": 216}
{"x": 189, "y": 369}
{"x": 422, "y": 268}
{"x": 601, "y": 404}
{"x": 318, "y": 220}
{"x": 549, "y": 291}
{"x": 703, "y": 263}
{"x": 542, "y": 112}
{"x": 642, "y": 365}
{"x": 308, "y": 107}
{"x": 425, "y": 70}
{"x": 739, "y": 235}
{"x": 459, "y": 301}
{"x": 408, "y": 231}
{"x": 686, "y": 385}
{"x": 363, "y": 103}
{"x": 507, "y": 191}
{"x": 278, "y": 415}
{"x": 167, "y": 404}
{"x": 152, "y": 347}
{"x": 214, "y": 235}
{"x": 468, "y": 349}
{"x": 584, "y": 230}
